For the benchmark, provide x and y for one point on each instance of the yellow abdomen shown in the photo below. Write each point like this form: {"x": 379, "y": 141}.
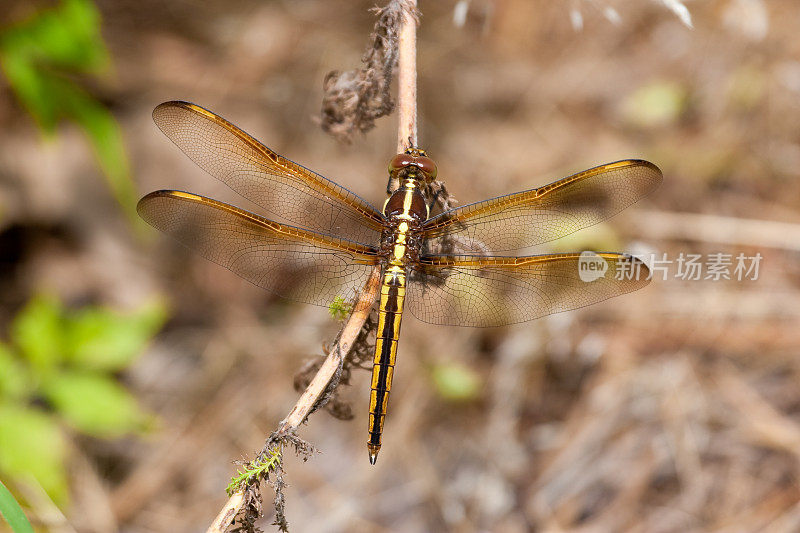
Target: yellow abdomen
{"x": 393, "y": 293}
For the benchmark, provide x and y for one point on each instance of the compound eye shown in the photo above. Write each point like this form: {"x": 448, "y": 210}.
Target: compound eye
{"x": 427, "y": 166}
{"x": 399, "y": 162}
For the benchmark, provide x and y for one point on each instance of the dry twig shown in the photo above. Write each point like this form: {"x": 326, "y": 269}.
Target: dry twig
{"x": 407, "y": 78}
{"x": 354, "y": 99}
{"x": 242, "y": 500}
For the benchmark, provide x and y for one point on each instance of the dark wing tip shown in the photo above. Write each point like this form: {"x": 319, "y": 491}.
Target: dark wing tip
{"x": 651, "y": 166}
{"x": 173, "y": 103}
{"x": 638, "y": 268}
{"x": 160, "y": 111}
{"x": 149, "y": 196}
{"x": 632, "y": 162}
{"x": 658, "y": 175}
{"x": 650, "y": 177}
{"x": 141, "y": 206}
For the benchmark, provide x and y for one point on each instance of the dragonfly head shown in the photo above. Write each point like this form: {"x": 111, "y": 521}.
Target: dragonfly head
{"x": 411, "y": 163}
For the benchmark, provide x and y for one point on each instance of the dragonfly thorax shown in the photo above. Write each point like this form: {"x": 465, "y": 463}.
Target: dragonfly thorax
{"x": 405, "y": 211}
{"x": 406, "y": 203}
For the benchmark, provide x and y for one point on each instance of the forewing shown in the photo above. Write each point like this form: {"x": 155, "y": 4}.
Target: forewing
{"x": 283, "y": 188}
{"x": 291, "y": 262}
{"x": 495, "y": 291}
{"x": 540, "y": 215}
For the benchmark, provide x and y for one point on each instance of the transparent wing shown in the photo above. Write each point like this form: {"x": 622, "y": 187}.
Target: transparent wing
{"x": 291, "y": 262}
{"x": 283, "y": 188}
{"x": 495, "y": 291}
{"x": 540, "y": 215}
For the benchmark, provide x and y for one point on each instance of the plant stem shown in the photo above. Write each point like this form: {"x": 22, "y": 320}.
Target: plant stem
{"x": 407, "y": 79}
{"x": 315, "y": 389}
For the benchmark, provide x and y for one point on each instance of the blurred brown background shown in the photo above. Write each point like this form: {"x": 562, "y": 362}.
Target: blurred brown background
{"x": 673, "y": 409}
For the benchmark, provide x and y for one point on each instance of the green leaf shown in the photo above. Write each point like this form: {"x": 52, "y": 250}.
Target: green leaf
{"x": 71, "y": 36}
{"x": 32, "y": 445}
{"x": 456, "y": 382}
{"x": 31, "y": 89}
{"x": 67, "y": 37}
{"x": 103, "y": 339}
{"x": 659, "y": 103}
{"x": 105, "y": 136}
{"x": 340, "y": 308}
{"x": 37, "y": 331}
{"x": 15, "y": 381}
{"x": 256, "y": 470}
{"x": 12, "y": 512}
{"x": 40, "y": 57}
{"x": 95, "y": 404}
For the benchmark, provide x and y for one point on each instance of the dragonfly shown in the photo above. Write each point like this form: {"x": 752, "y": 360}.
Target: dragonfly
{"x": 458, "y": 267}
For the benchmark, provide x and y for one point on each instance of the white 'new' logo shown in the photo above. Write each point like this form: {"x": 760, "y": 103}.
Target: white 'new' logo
{"x": 591, "y": 266}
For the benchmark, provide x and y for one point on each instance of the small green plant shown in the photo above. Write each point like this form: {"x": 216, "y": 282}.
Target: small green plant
{"x": 43, "y": 59}
{"x": 258, "y": 468}
{"x": 456, "y": 382}
{"x": 340, "y": 308}
{"x": 57, "y": 372}
{"x": 12, "y": 512}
